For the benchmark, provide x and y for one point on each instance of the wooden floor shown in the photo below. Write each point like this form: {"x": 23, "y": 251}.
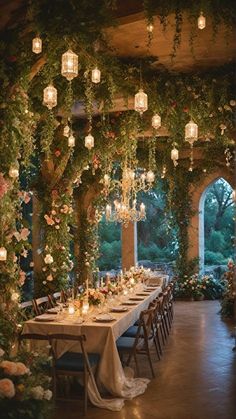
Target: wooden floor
{"x": 195, "y": 378}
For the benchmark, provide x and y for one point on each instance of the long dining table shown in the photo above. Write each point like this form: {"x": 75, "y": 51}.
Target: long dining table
{"x": 101, "y": 338}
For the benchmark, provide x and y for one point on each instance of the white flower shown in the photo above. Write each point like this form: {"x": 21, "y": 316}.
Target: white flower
{"x": 232, "y": 103}
{"x": 48, "y": 259}
{"x": 47, "y": 395}
{"x": 37, "y": 392}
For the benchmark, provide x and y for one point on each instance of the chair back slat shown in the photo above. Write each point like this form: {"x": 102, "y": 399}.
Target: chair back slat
{"x": 40, "y": 305}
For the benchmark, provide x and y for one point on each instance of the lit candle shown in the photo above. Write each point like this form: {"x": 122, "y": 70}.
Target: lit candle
{"x": 71, "y": 309}
{"x": 85, "y": 307}
{"x": 132, "y": 281}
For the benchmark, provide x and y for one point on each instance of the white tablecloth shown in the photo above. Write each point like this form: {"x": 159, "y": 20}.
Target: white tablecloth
{"x": 101, "y": 338}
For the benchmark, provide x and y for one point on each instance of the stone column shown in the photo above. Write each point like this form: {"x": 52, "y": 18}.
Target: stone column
{"x": 129, "y": 245}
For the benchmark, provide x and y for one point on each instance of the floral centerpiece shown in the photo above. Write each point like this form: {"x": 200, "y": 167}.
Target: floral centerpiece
{"x": 227, "y": 303}
{"x": 24, "y": 387}
{"x": 197, "y": 287}
{"x": 95, "y": 296}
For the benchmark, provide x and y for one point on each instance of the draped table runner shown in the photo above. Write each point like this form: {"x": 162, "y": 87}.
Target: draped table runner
{"x": 101, "y": 338}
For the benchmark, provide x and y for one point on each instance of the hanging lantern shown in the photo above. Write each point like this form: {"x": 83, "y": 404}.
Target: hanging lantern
{"x": 191, "y": 132}
{"x": 71, "y": 140}
{"x": 37, "y": 45}
{"x": 201, "y": 22}
{"x": 96, "y": 75}
{"x": 156, "y": 121}
{"x": 89, "y": 141}
{"x": 150, "y": 27}
{"x": 3, "y": 254}
{"x": 66, "y": 131}
{"x": 141, "y": 101}
{"x": 14, "y": 172}
{"x": 175, "y": 155}
{"x": 69, "y": 65}
{"x": 50, "y": 96}
{"x": 150, "y": 176}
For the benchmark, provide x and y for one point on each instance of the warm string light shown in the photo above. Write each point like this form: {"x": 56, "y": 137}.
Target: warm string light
{"x": 201, "y": 22}
{"x": 175, "y": 155}
{"x": 150, "y": 27}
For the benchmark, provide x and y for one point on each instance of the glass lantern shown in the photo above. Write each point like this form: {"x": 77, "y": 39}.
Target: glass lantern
{"x": 201, "y": 22}
{"x": 141, "y": 101}
{"x": 50, "y": 96}
{"x": 69, "y": 65}
{"x": 89, "y": 141}
{"x": 191, "y": 132}
{"x": 96, "y": 75}
{"x": 37, "y": 45}
{"x": 3, "y": 254}
{"x": 156, "y": 121}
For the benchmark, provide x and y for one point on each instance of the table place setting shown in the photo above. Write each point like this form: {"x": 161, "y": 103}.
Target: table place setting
{"x": 45, "y": 318}
{"x": 104, "y": 318}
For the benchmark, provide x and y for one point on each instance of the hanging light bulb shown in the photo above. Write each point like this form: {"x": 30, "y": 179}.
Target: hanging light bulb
{"x": 50, "y": 96}
{"x": 150, "y": 27}
{"x": 156, "y": 121}
{"x": 141, "y": 101}
{"x": 96, "y": 75}
{"x": 89, "y": 141}
{"x": 163, "y": 173}
{"x": 191, "y": 132}
{"x": 14, "y": 172}
{"x": 201, "y": 22}
{"x": 71, "y": 140}
{"x": 175, "y": 155}
{"x": 69, "y": 65}
{"x": 150, "y": 176}
{"x": 3, "y": 254}
{"x": 37, "y": 45}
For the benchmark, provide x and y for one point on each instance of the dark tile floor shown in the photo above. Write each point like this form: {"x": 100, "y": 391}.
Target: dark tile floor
{"x": 195, "y": 378}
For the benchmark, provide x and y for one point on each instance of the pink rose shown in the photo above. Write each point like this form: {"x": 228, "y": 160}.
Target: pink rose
{"x": 3, "y": 186}
{"x": 9, "y": 367}
{"x": 7, "y": 388}
{"x": 21, "y": 369}
{"x": 24, "y": 233}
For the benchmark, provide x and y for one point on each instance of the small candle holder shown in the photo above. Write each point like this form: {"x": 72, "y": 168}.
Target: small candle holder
{"x": 85, "y": 307}
{"x": 71, "y": 309}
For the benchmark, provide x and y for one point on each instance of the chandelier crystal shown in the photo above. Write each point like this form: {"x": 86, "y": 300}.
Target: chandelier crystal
{"x": 156, "y": 121}
{"x": 37, "y": 45}
{"x": 191, "y": 132}
{"x": 50, "y": 96}
{"x": 141, "y": 101}
{"x": 69, "y": 65}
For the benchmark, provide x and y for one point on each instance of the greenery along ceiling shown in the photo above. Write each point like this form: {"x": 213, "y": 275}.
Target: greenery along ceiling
{"x": 32, "y": 136}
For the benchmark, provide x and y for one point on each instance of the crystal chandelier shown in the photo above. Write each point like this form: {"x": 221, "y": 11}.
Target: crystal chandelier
{"x": 132, "y": 181}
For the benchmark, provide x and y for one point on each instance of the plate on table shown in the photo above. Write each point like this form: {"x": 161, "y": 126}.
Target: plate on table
{"x": 45, "y": 318}
{"x": 130, "y": 303}
{"x": 104, "y": 318}
{"x": 119, "y": 309}
{"x": 53, "y": 310}
{"x": 136, "y": 298}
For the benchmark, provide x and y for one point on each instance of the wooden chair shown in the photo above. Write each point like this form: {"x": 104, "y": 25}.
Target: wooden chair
{"x": 40, "y": 305}
{"x": 26, "y": 310}
{"x": 55, "y": 298}
{"x": 73, "y": 363}
{"x": 139, "y": 344}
